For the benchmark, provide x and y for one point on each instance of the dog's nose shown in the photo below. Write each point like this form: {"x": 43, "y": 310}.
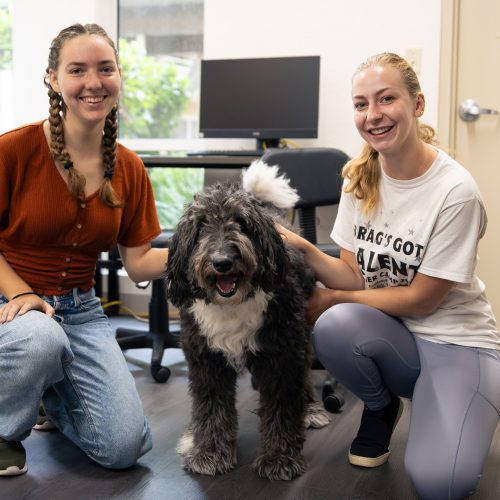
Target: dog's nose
{"x": 222, "y": 264}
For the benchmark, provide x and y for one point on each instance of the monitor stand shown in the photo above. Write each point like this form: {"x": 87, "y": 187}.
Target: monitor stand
{"x": 263, "y": 144}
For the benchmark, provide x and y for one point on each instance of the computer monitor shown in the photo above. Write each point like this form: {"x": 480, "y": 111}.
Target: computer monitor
{"x": 267, "y": 98}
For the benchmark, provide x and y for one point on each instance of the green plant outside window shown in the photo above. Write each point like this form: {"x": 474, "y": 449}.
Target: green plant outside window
{"x": 174, "y": 187}
{"x": 160, "y": 81}
{"x": 5, "y": 38}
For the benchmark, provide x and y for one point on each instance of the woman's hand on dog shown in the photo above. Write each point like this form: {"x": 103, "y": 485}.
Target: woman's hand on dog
{"x": 292, "y": 238}
{"x": 320, "y": 300}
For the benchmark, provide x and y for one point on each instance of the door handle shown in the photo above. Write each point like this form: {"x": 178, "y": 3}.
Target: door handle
{"x": 470, "y": 110}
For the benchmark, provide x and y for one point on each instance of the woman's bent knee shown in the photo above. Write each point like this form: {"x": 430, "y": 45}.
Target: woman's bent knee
{"x": 37, "y": 341}
{"x": 340, "y": 327}
{"x": 121, "y": 450}
{"x": 334, "y": 325}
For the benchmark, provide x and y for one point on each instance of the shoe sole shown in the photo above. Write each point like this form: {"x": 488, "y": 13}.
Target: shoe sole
{"x": 46, "y": 426}
{"x": 381, "y": 459}
{"x": 13, "y": 470}
{"x": 367, "y": 461}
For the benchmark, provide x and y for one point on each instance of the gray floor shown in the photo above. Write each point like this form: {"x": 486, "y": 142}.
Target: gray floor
{"x": 59, "y": 471}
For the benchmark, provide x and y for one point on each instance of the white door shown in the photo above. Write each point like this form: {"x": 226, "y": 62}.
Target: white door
{"x": 476, "y": 142}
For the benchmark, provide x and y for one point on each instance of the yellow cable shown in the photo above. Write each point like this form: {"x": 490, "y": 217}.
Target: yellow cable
{"x": 136, "y": 315}
{"x": 143, "y": 317}
{"x": 109, "y": 304}
{"x": 288, "y": 143}
{"x": 139, "y": 316}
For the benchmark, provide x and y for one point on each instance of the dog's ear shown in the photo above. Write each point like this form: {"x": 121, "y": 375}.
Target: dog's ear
{"x": 278, "y": 261}
{"x": 181, "y": 247}
{"x": 271, "y": 248}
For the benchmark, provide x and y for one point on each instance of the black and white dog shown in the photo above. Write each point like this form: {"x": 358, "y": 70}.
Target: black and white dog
{"x": 242, "y": 293}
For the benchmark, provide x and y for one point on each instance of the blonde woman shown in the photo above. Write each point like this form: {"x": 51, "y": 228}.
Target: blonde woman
{"x": 404, "y": 313}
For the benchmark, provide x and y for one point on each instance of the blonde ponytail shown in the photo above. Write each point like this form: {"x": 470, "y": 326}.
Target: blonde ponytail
{"x": 363, "y": 173}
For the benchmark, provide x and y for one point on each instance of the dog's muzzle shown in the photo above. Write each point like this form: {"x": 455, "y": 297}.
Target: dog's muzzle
{"x": 225, "y": 282}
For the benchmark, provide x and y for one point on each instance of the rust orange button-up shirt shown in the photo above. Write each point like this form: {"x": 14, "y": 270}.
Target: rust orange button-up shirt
{"x": 51, "y": 239}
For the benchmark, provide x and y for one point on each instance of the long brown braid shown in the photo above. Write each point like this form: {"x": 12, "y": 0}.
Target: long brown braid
{"x": 76, "y": 181}
{"x": 363, "y": 171}
{"x": 106, "y": 191}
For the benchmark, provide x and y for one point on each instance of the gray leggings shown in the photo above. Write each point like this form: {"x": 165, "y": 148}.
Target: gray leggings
{"x": 455, "y": 392}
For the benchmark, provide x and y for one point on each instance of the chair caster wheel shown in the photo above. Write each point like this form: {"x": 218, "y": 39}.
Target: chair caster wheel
{"x": 332, "y": 398}
{"x": 160, "y": 373}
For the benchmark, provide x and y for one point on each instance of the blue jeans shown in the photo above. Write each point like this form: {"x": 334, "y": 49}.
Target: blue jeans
{"x": 74, "y": 362}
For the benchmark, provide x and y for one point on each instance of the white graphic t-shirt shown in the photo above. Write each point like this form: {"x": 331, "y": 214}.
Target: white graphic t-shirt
{"x": 431, "y": 225}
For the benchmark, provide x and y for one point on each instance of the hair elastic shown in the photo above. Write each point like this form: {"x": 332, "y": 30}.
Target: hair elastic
{"x": 68, "y": 165}
{"x": 23, "y": 293}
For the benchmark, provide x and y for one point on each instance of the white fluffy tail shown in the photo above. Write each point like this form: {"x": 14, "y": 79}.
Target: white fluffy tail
{"x": 265, "y": 183}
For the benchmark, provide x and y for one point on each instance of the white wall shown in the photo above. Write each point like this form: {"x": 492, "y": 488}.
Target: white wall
{"x": 35, "y": 24}
{"x": 343, "y": 33}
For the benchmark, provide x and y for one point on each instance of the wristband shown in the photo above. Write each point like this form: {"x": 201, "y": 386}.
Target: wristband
{"x": 23, "y": 293}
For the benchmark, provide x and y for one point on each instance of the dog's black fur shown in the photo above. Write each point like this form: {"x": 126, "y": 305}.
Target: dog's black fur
{"x": 225, "y": 259}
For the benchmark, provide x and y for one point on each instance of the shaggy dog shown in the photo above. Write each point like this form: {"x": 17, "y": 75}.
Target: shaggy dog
{"x": 242, "y": 294}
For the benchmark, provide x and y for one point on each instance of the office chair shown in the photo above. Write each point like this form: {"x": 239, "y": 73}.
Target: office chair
{"x": 160, "y": 334}
{"x": 316, "y": 175}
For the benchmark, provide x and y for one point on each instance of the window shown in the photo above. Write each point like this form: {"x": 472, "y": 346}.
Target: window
{"x": 161, "y": 45}
{"x": 5, "y": 65}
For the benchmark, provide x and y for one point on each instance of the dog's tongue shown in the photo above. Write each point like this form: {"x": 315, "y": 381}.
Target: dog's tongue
{"x": 226, "y": 284}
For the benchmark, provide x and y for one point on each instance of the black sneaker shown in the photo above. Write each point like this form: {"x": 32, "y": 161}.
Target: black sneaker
{"x": 12, "y": 458}
{"x": 370, "y": 448}
{"x": 43, "y": 422}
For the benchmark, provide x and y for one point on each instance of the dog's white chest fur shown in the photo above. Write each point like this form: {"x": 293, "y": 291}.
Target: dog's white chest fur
{"x": 232, "y": 328}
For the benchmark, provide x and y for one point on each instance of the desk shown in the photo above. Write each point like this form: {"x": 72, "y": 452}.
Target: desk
{"x": 209, "y": 162}
{"x": 217, "y": 168}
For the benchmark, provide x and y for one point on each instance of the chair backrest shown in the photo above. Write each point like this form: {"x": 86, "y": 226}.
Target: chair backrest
{"x": 316, "y": 175}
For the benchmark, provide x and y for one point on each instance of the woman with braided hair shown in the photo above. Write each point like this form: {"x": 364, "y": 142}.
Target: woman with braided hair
{"x": 69, "y": 191}
{"x": 404, "y": 313}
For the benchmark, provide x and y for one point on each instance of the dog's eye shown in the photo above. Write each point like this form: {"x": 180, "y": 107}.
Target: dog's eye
{"x": 242, "y": 223}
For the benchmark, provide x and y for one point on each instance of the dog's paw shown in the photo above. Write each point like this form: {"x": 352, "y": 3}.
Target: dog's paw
{"x": 210, "y": 463}
{"x": 280, "y": 466}
{"x": 196, "y": 457}
{"x": 185, "y": 444}
{"x": 316, "y": 416}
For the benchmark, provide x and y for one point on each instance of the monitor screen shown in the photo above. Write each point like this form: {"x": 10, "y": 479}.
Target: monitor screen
{"x": 266, "y": 98}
